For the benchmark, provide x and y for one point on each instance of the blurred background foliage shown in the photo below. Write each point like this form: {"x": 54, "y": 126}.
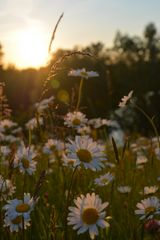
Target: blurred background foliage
{"x": 133, "y": 63}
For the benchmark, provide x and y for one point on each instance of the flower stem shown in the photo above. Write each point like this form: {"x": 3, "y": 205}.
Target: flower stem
{"x": 79, "y": 93}
{"x": 67, "y": 203}
{"x": 150, "y": 121}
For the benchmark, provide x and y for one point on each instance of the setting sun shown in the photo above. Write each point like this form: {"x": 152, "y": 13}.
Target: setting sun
{"x": 32, "y": 48}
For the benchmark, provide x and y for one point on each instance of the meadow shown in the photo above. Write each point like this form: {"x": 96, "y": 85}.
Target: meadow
{"x": 65, "y": 177}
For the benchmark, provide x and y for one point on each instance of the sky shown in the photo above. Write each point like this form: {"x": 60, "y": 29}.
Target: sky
{"x": 26, "y": 25}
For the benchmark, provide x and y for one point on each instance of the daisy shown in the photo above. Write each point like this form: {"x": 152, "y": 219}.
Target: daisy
{"x": 6, "y": 188}
{"x": 75, "y": 119}
{"x": 124, "y": 189}
{"x": 148, "y": 207}
{"x": 125, "y": 99}
{"x": 6, "y": 123}
{"x": 83, "y": 73}
{"x": 33, "y": 123}
{"x": 24, "y": 159}
{"x": 44, "y": 104}
{"x": 98, "y": 122}
{"x": 141, "y": 159}
{"x": 104, "y": 180}
{"x": 86, "y": 152}
{"x": 17, "y": 211}
{"x": 150, "y": 190}
{"x": 88, "y": 214}
{"x": 52, "y": 146}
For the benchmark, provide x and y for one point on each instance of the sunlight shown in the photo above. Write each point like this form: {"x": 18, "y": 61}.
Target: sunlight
{"x": 32, "y": 48}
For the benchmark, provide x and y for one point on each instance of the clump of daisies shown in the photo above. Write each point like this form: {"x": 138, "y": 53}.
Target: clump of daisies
{"x": 86, "y": 152}
{"x": 88, "y": 214}
{"x": 24, "y": 159}
{"x": 17, "y": 213}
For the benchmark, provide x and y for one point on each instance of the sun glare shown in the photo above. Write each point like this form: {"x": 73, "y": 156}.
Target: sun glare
{"x": 32, "y": 48}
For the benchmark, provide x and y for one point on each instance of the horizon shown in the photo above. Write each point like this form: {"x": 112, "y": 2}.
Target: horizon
{"x": 26, "y": 26}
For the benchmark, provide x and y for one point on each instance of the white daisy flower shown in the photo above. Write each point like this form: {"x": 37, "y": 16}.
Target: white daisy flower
{"x": 52, "y": 146}
{"x": 87, "y": 152}
{"x": 68, "y": 162}
{"x": 83, "y": 73}
{"x": 32, "y": 123}
{"x": 124, "y": 189}
{"x": 75, "y": 119}
{"x": 11, "y": 139}
{"x": 5, "y": 151}
{"x": 141, "y": 159}
{"x": 6, "y": 123}
{"x": 24, "y": 159}
{"x": 86, "y": 130}
{"x": 6, "y": 188}
{"x": 18, "y": 210}
{"x": 104, "y": 180}
{"x": 99, "y": 122}
{"x": 125, "y": 99}
{"x": 157, "y": 152}
{"x": 44, "y": 104}
{"x": 88, "y": 214}
{"x": 148, "y": 207}
{"x": 150, "y": 190}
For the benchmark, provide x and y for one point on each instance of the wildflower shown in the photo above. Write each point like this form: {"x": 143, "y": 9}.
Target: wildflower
{"x": 75, "y": 119}
{"x": 88, "y": 214}
{"x": 98, "y": 122}
{"x": 53, "y": 145}
{"x": 17, "y": 211}
{"x": 68, "y": 162}
{"x": 124, "y": 189}
{"x": 86, "y": 152}
{"x": 6, "y": 188}
{"x": 125, "y": 99}
{"x": 157, "y": 152}
{"x": 33, "y": 123}
{"x": 83, "y": 73}
{"x": 24, "y": 159}
{"x": 5, "y": 151}
{"x": 104, "y": 180}
{"x": 152, "y": 226}
{"x": 44, "y": 104}
{"x": 148, "y": 207}
{"x": 6, "y": 123}
{"x": 150, "y": 190}
{"x": 86, "y": 130}
{"x": 141, "y": 159}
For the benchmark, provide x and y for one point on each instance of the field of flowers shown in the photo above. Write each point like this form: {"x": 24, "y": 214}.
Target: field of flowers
{"x": 65, "y": 177}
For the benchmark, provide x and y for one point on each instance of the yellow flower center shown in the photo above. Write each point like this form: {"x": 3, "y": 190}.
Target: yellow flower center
{"x": 150, "y": 210}
{"x": 71, "y": 161}
{"x": 76, "y": 122}
{"x": 25, "y": 163}
{"x": 84, "y": 155}
{"x": 17, "y": 220}
{"x": 22, "y": 208}
{"x": 90, "y": 216}
{"x": 104, "y": 180}
{"x": 84, "y": 74}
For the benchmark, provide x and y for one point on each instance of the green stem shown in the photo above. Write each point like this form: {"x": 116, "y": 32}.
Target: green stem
{"x": 150, "y": 121}
{"x": 79, "y": 93}
{"x": 67, "y": 203}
